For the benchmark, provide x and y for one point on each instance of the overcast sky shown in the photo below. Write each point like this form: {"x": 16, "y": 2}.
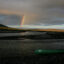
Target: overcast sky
{"x": 36, "y": 12}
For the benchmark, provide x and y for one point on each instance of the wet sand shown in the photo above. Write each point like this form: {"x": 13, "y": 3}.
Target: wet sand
{"x": 28, "y": 46}
{"x": 21, "y": 51}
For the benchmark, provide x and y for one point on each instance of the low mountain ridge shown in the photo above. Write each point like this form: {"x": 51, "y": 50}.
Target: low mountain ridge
{"x": 6, "y": 29}
{"x": 1, "y": 25}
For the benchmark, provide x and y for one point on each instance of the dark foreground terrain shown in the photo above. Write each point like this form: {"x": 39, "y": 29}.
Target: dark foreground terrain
{"x": 17, "y": 47}
{"x": 22, "y": 51}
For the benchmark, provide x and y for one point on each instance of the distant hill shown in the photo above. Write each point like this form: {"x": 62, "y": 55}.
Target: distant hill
{"x": 6, "y": 29}
{"x": 1, "y": 25}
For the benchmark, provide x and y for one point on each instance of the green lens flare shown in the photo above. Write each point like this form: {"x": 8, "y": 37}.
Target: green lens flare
{"x": 40, "y": 51}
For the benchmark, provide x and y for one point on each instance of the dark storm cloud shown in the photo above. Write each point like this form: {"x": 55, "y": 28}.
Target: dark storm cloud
{"x": 10, "y": 19}
{"x": 37, "y": 11}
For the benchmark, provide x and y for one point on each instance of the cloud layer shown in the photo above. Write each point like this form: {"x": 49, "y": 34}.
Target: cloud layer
{"x": 37, "y": 12}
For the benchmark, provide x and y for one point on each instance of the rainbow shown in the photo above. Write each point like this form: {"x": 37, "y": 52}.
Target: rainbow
{"x": 22, "y": 21}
